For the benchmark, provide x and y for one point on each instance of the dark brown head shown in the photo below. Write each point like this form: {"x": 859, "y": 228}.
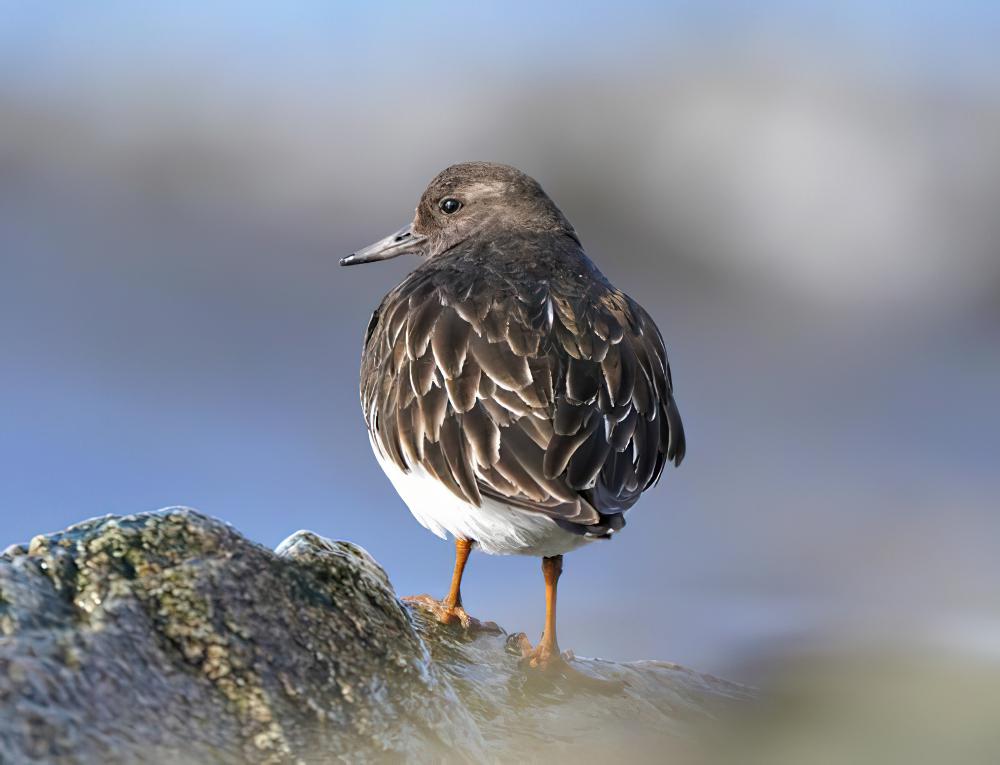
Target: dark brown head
{"x": 466, "y": 200}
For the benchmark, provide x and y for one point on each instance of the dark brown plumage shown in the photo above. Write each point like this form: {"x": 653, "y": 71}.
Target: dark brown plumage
{"x": 507, "y": 367}
{"x": 576, "y": 418}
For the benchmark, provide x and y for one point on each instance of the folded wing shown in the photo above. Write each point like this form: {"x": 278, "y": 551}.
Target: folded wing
{"x": 550, "y": 398}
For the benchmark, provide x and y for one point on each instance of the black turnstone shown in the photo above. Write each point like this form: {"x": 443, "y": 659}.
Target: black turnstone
{"x": 513, "y": 396}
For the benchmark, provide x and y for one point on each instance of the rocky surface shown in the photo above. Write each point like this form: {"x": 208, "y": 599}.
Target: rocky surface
{"x": 168, "y": 637}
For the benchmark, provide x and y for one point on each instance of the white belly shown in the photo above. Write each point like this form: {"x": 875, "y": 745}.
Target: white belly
{"x": 498, "y": 528}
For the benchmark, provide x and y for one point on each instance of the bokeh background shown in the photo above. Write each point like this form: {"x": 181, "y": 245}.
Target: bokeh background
{"x": 804, "y": 196}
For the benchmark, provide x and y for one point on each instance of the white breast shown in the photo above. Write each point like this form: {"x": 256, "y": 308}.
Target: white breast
{"x": 498, "y": 528}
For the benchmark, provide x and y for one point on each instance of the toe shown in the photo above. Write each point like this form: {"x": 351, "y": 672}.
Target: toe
{"x": 446, "y": 614}
{"x": 472, "y": 624}
{"x": 519, "y": 644}
{"x": 559, "y": 667}
{"x": 424, "y": 600}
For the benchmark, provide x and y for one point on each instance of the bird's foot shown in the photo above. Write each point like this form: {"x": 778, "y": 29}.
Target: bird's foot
{"x": 449, "y": 614}
{"x": 547, "y": 660}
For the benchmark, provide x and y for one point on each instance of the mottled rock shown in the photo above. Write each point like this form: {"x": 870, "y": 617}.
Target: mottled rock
{"x": 168, "y": 637}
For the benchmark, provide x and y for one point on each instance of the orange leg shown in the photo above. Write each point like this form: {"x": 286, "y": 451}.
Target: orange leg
{"x": 449, "y": 610}
{"x": 546, "y": 656}
{"x": 462, "y": 549}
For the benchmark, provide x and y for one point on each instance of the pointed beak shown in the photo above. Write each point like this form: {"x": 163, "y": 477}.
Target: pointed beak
{"x": 403, "y": 242}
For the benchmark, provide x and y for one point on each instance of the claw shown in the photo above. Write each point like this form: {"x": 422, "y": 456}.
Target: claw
{"x": 448, "y": 614}
{"x": 548, "y": 661}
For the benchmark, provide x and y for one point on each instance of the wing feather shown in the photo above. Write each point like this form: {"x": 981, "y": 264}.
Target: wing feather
{"x": 552, "y": 395}
{"x": 450, "y": 342}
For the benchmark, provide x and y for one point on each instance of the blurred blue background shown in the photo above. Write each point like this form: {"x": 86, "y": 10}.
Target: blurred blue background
{"x": 805, "y": 197}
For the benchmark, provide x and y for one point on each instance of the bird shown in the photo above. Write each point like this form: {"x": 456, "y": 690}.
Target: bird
{"x": 516, "y": 400}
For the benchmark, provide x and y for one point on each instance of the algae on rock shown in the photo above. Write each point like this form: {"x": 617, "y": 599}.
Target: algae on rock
{"x": 168, "y": 637}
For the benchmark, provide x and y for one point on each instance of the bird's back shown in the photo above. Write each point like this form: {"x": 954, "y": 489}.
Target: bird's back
{"x": 509, "y": 368}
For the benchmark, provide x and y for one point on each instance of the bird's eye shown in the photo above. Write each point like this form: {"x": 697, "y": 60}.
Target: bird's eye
{"x": 450, "y": 205}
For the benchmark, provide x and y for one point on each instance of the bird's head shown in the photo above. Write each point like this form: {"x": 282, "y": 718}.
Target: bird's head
{"x": 466, "y": 200}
